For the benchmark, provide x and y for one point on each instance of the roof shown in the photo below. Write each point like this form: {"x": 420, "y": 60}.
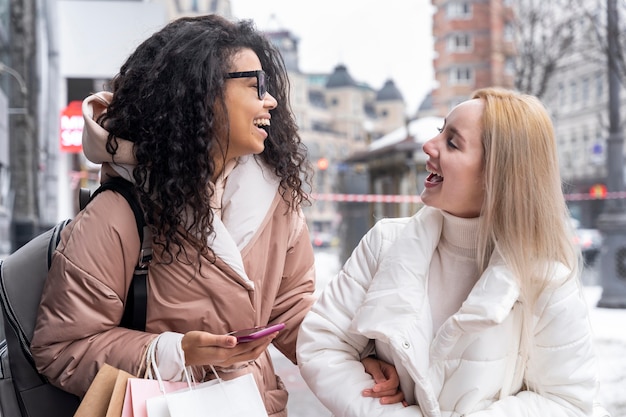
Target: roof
{"x": 420, "y": 130}
{"x": 340, "y": 78}
{"x": 389, "y": 92}
{"x": 399, "y": 140}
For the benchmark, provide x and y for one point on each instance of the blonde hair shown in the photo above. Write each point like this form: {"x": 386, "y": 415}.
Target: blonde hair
{"x": 524, "y": 213}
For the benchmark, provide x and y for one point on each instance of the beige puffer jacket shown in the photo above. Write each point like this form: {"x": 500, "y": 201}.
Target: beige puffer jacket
{"x": 83, "y": 300}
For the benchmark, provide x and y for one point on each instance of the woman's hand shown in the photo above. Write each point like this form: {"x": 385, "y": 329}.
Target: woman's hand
{"x": 387, "y": 386}
{"x": 203, "y": 348}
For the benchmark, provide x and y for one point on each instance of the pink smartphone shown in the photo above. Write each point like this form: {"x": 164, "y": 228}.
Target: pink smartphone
{"x": 255, "y": 333}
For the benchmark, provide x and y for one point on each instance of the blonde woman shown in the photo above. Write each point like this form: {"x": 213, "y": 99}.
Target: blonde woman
{"x": 476, "y": 298}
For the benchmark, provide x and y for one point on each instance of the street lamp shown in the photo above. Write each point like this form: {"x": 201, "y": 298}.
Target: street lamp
{"x": 612, "y": 222}
{"x": 8, "y": 70}
{"x": 16, "y": 75}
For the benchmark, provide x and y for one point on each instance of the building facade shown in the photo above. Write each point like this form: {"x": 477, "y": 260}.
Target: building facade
{"x": 337, "y": 117}
{"x": 578, "y": 100}
{"x": 474, "y": 48}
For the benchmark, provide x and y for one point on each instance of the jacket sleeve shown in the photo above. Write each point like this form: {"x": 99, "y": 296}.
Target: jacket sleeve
{"x": 295, "y": 295}
{"x": 329, "y": 354}
{"x": 562, "y": 368}
{"x": 84, "y": 295}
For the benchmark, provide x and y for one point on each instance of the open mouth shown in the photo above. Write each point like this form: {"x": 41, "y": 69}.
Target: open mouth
{"x": 434, "y": 178}
{"x": 262, "y": 123}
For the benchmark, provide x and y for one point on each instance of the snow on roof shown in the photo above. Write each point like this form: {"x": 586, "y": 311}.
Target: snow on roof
{"x": 420, "y": 129}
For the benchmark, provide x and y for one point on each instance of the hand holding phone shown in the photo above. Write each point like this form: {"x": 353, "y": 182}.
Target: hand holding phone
{"x": 248, "y": 335}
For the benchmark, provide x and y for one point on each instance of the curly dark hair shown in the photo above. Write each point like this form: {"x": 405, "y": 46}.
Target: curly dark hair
{"x": 164, "y": 101}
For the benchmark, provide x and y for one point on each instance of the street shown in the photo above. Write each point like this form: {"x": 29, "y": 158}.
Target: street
{"x": 609, "y": 328}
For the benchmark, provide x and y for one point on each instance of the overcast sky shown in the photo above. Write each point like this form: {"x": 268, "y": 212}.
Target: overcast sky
{"x": 376, "y": 40}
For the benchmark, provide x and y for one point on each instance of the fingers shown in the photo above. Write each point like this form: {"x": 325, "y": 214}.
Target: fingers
{"x": 202, "y": 348}
{"x": 249, "y": 350}
{"x": 393, "y": 399}
{"x": 205, "y": 339}
{"x": 387, "y": 382}
{"x": 388, "y": 397}
{"x": 387, "y": 385}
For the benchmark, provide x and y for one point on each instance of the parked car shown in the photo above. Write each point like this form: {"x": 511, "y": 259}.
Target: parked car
{"x": 590, "y": 242}
{"x": 322, "y": 239}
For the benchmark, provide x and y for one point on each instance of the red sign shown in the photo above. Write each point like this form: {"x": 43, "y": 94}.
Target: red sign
{"x": 598, "y": 191}
{"x": 72, "y": 122}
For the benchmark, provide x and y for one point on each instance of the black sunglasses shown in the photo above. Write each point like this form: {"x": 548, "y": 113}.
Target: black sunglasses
{"x": 261, "y": 87}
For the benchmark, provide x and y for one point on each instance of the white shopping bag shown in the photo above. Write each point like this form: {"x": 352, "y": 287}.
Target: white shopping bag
{"x": 238, "y": 397}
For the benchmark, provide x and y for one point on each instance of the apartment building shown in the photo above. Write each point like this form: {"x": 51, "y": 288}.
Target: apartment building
{"x": 474, "y": 48}
{"x": 578, "y": 99}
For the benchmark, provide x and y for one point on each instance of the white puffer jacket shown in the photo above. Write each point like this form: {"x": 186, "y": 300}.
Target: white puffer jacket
{"x": 470, "y": 367}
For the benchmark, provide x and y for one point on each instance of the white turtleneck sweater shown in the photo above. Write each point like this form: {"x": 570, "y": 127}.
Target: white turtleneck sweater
{"x": 453, "y": 270}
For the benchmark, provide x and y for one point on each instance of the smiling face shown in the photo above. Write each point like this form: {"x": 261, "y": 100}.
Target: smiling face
{"x": 456, "y": 163}
{"x": 247, "y": 114}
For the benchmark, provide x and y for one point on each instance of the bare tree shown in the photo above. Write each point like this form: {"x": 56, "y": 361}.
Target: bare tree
{"x": 545, "y": 33}
{"x": 597, "y": 46}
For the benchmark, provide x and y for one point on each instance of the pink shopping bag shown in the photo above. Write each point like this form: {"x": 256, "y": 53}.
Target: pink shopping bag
{"x": 138, "y": 390}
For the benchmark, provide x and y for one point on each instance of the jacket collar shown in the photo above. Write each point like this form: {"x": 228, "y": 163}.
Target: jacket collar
{"x": 397, "y": 299}
{"x": 248, "y": 196}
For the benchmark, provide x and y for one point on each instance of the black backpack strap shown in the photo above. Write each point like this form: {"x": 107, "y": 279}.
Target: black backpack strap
{"x": 55, "y": 239}
{"x": 84, "y": 197}
{"x": 137, "y": 299}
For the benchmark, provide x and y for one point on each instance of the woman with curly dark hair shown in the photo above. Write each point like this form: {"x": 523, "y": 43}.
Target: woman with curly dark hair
{"x": 198, "y": 120}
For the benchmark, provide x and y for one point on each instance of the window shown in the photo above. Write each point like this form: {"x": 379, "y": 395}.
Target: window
{"x": 459, "y": 10}
{"x": 599, "y": 84}
{"x": 573, "y": 90}
{"x": 586, "y": 145}
{"x": 585, "y": 89}
{"x": 460, "y": 42}
{"x": 567, "y": 159}
{"x": 509, "y": 32}
{"x": 460, "y": 75}
{"x": 509, "y": 65}
{"x": 574, "y": 148}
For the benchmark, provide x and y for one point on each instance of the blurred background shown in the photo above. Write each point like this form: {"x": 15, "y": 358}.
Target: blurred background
{"x": 370, "y": 83}
{"x": 415, "y": 60}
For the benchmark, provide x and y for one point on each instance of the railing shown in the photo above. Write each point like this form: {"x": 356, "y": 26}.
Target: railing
{"x": 398, "y": 198}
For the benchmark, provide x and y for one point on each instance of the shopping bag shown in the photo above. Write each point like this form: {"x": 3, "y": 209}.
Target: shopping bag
{"x": 157, "y": 406}
{"x": 139, "y": 390}
{"x": 105, "y": 395}
{"x": 238, "y": 397}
